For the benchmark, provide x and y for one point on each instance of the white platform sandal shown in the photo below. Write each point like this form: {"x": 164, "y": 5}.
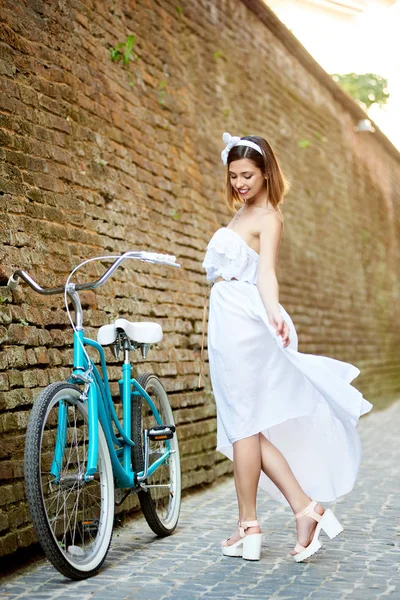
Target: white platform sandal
{"x": 326, "y": 522}
{"x": 248, "y": 547}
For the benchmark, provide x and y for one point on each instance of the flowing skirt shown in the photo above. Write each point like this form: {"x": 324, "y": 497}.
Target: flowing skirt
{"x": 303, "y": 403}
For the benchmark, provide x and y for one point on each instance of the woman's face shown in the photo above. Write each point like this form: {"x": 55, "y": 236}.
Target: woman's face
{"x": 247, "y": 179}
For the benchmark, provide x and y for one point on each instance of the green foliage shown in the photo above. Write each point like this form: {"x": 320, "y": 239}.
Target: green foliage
{"x": 123, "y": 51}
{"x": 366, "y": 88}
{"x": 217, "y": 54}
{"x": 176, "y": 214}
{"x": 161, "y": 94}
{"x": 179, "y": 10}
{"x": 365, "y": 236}
{"x": 130, "y": 40}
{"x": 304, "y": 143}
{"x": 115, "y": 53}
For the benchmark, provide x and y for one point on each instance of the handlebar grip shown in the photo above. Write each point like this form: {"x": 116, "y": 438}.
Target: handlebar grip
{"x": 154, "y": 256}
{"x": 166, "y": 257}
{"x": 13, "y": 282}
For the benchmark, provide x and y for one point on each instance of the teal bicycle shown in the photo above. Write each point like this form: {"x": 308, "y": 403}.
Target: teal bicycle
{"x": 82, "y": 455}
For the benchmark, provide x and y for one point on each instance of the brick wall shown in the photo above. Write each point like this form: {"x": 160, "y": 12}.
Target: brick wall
{"x": 98, "y": 158}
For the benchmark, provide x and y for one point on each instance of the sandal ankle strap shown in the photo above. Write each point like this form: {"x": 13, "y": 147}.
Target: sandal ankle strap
{"x": 243, "y": 525}
{"x": 299, "y": 548}
{"x": 309, "y": 512}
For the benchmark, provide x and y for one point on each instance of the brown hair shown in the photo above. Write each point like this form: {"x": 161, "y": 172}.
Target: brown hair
{"x": 276, "y": 184}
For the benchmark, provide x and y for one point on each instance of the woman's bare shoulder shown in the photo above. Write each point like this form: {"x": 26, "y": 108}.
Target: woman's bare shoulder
{"x": 269, "y": 218}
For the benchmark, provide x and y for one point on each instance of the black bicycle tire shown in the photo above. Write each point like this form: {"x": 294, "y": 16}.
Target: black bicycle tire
{"x": 146, "y": 501}
{"x": 33, "y": 485}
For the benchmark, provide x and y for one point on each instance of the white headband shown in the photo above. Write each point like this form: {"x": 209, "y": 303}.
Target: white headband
{"x": 234, "y": 140}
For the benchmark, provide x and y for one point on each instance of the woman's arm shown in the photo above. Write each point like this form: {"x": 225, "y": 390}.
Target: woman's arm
{"x": 267, "y": 282}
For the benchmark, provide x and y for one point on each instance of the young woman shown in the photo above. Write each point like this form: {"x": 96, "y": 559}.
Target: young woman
{"x": 286, "y": 419}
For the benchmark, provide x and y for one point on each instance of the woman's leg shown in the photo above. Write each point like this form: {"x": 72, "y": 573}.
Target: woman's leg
{"x": 246, "y": 470}
{"x": 276, "y": 467}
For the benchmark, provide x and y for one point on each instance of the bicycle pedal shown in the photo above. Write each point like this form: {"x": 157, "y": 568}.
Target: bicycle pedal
{"x": 161, "y": 432}
{"x": 90, "y": 525}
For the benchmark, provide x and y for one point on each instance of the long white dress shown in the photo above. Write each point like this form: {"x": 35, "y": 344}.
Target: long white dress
{"x": 303, "y": 403}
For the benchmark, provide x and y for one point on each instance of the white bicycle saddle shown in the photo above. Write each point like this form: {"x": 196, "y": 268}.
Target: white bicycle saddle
{"x": 143, "y": 332}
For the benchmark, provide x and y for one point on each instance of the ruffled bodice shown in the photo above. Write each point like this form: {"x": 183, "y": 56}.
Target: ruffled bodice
{"x": 229, "y": 256}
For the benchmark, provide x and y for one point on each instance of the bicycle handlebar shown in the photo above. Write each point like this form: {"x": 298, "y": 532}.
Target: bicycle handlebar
{"x": 153, "y": 257}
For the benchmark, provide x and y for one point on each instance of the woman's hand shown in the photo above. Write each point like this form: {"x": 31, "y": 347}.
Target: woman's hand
{"x": 281, "y": 327}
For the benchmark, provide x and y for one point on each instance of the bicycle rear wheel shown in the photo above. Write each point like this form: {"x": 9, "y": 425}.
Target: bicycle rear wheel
{"x": 73, "y": 518}
{"x": 161, "y": 501}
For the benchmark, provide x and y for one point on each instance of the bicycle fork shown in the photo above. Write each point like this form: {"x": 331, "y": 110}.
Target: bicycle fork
{"x": 61, "y": 439}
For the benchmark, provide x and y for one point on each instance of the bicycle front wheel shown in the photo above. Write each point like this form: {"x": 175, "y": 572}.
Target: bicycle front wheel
{"x": 73, "y": 518}
{"x": 161, "y": 500}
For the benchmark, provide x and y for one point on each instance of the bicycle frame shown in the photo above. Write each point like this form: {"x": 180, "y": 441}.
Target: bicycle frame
{"x": 101, "y": 408}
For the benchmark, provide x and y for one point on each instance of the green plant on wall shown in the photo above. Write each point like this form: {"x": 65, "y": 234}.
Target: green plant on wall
{"x": 366, "y": 89}
{"x": 123, "y": 51}
{"x": 305, "y": 143}
{"x": 161, "y": 94}
{"x": 176, "y": 214}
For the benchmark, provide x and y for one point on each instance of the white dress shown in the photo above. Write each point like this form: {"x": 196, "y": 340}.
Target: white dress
{"x": 303, "y": 403}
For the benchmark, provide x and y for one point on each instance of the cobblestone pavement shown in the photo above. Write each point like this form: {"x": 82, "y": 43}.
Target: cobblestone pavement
{"x": 363, "y": 562}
